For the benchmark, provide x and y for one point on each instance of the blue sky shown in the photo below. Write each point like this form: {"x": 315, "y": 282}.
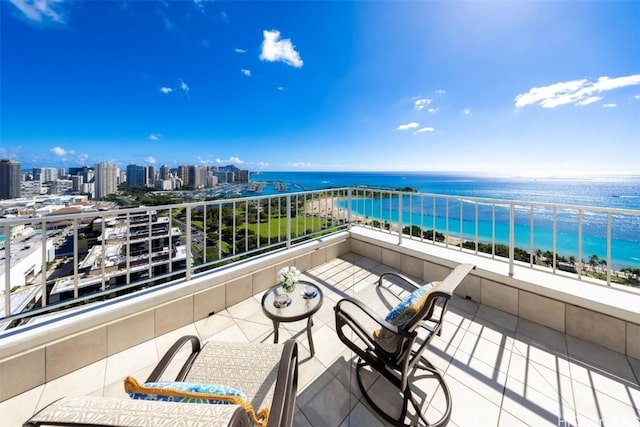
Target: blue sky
{"x": 524, "y": 88}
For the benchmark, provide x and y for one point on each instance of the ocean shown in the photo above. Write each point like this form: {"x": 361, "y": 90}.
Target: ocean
{"x": 619, "y": 192}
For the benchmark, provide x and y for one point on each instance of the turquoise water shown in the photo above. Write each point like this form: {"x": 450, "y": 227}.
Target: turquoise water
{"x": 625, "y": 242}
{"x": 606, "y": 192}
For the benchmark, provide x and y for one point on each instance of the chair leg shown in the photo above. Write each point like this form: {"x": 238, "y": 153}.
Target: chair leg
{"x": 408, "y": 397}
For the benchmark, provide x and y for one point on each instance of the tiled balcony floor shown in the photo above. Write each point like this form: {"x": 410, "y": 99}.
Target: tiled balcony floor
{"x": 502, "y": 370}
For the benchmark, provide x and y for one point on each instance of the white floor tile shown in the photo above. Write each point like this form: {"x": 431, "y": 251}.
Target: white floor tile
{"x": 15, "y": 411}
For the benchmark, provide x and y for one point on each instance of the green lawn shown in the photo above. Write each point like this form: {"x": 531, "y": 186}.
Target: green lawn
{"x": 303, "y": 223}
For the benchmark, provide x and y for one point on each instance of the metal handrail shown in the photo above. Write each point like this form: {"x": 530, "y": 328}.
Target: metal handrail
{"x": 386, "y": 210}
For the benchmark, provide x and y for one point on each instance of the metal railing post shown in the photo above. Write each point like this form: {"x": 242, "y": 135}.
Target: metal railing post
{"x": 103, "y": 261}
{"x": 446, "y": 222}
{"x": 531, "y": 224}
{"x": 555, "y": 238}
{"x": 128, "y": 248}
{"x": 349, "y": 201}
{"x": 188, "y": 236}
{"x": 399, "y": 218}
{"x": 7, "y": 270}
{"x": 75, "y": 255}
{"x": 288, "y": 237}
{"x": 512, "y": 220}
{"x": 609, "y": 249}
{"x": 44, "y": 264}
{"x": 580, "y": 263}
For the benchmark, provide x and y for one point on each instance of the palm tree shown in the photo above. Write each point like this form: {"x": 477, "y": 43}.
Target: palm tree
{"x": 593, "y": 261}
{"x": 538, "y": 254}
{"x": 603, "y": 264}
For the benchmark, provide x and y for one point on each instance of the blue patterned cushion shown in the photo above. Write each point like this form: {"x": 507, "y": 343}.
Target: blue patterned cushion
{"x": 403, "y": 312}
{"x": 175, "y": 391}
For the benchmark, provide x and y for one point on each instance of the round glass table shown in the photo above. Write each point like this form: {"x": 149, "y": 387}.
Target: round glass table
{"x": 303, "y": 303}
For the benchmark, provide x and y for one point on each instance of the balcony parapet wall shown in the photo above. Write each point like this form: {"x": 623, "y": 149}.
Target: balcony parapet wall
{"x": 60, "y": 344}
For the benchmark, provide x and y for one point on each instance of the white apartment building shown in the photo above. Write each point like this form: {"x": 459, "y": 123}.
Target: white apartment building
{"x": 106, "y": 179}
{"x": 45, "y": 174}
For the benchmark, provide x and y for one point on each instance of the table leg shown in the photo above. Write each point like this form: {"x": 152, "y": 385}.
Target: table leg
{"x": 309, "y": 325}
{"x": 276, "y": 326}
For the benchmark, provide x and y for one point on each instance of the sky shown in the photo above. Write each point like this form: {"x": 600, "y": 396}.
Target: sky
{"x": 499, "y": 87}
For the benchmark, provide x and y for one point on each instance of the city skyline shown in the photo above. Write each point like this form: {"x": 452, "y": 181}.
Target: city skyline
{"x": 533, "y": 88}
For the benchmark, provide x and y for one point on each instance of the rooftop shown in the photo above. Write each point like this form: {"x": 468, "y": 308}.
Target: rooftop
{"x": 503, "y": 370}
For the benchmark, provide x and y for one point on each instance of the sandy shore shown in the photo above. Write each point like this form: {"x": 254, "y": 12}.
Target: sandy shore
{"x": 329, "y": 208}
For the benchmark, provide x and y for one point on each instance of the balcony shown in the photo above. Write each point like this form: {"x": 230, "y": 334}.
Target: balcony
{"x": 521, "y": 346}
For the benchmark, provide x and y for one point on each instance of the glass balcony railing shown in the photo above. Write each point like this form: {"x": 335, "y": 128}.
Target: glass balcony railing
{"x": 52, "y": 262}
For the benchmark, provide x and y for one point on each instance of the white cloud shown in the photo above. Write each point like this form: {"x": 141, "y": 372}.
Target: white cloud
{"x": 300, "y": 164}
{"x": 636, "y": 97}
{"x": 420, "y": 103}
{"x": 232, "y": 160}
{"x": 165, "y": 89}
{"x": 433, "y": 110}
{"x": 467, "y": 111}
{"x": 155, "y": 136}
{"x": 61, "y": 152}
{"x": 82, "y": 157}
{"x": 41, "y": 10}
{"x": 408, "y": 126}
{"x": 280, "y": 88}
{"x": 245, "y": 72}
{"x": 589, "y": 100}
{"x": 274, "y": 49}
{"x": 238, "y": 50}
{"x": 150, "y": 160}
{"x": 610, "y": 105}
{"x": 576, "y": 92}
{"x": 440, "y": 91}
{"x": 184, "y": 86}
{"x": 425, "y": 129}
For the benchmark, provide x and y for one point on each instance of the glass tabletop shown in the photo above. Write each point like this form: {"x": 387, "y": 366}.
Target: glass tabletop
{"x": 306, "y": 299}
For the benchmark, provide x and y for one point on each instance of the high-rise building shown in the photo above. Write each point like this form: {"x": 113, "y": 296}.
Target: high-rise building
{"x": 9, "y": 179}
{"x": 136, "y": 176}
{"x": 106, "y": 179}
{"x": 164, "y": 172}
{"x": 183, "y": 174}
{"x": 151, "y": 175}
{"x": 85, "y": 171}
{"x": 45, "y": 174}
{"x": 77, "y": 181}
{"x": 243, "y": 175}
{"x": 200, "y": 175}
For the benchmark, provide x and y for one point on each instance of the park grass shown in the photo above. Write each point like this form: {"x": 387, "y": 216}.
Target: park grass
{"x": 300, "y": 225}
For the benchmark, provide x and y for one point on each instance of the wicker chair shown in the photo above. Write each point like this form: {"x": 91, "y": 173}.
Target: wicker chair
{"x": 394, "y": 348}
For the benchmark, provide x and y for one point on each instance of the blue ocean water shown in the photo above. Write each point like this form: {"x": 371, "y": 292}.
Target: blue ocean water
{"x": 619, "y": 192}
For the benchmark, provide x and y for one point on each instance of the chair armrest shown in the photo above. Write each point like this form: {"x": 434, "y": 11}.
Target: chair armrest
{"x": 453, "y": 279}
{"x": 370, "y": 313}
{"x": 343, "y": 318}
{"x": 171, "y": 353}
{"x": 412, "y": 283}
{"x": 284, "y": 396}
